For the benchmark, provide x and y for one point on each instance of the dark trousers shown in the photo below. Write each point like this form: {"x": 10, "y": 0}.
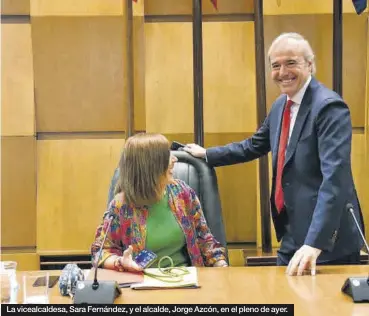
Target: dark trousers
{"x": 354, "y": 258}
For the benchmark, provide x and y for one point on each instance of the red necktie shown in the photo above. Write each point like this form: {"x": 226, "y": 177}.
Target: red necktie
{"x": 283, "y": 141}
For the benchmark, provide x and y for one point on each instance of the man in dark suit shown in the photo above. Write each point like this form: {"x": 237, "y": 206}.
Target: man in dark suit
{"x": 309, "y": 133}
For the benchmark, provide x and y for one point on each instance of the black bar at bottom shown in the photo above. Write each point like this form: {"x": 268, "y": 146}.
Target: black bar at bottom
{"x": 159, "y": 309}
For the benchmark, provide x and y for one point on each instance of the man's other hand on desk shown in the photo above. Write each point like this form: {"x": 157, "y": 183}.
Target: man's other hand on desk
{"x": 304, "y": 259}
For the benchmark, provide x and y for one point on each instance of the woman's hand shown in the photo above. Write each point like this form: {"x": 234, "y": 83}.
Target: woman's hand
{"x": 127, "y": 263}
{"x": 220, "y": 263}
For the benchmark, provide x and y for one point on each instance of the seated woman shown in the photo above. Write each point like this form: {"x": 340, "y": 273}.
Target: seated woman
{"x": 153, "y": 211}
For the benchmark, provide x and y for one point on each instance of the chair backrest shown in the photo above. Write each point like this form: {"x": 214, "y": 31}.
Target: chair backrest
{"x": 202, "y": 178}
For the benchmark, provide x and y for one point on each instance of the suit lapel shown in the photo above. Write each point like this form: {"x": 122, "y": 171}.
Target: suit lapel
{"x": 276, "y": 138}
{"x": 299, "y": 124}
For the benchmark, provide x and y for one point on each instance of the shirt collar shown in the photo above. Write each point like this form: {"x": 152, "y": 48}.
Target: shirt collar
{"x": 297, "y": 98}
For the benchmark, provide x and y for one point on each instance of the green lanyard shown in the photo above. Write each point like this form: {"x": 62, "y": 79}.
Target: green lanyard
{"x": 171, "y": 274}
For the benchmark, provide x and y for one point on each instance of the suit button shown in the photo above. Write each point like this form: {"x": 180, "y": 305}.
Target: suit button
{"x": 287, "y": 184}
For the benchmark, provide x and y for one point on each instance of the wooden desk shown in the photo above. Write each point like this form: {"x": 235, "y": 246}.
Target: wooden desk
{"x": 319, "y": 295}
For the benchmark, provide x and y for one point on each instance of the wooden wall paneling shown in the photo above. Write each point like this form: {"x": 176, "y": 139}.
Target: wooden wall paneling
{"x": 18, "y": 192}
{"x": 228, "y": 7}
{"x": 17, "y": 97}
{"x": 229, "y": 77}
{"x": 15, "y": 7}
{"x": 169, "y": 97}
{"x": 168, "y": 77}
{"x": 165, "y": 7}
{"x": 364, "y": 175}
{"x": 79, "y": 73}
{"x": 72, "y": 188}
{"x": 76, "y": 8}
{"x": 366, "y": 128}
{"x": 360, "y": 171}
{"x": 138, "y": 8}
{"x": 299, "y": 7}
{"x": 354, "y": 56}
{"x": 81, "y": 135}
{"x": 238, "y": 192}
{"x": 318, "y": 31}
{"x": 229, "y": 81}
{"x": 26, "y": 261}
{"x": 181, "y": 137}
{"x": 236, "y": 257}
{"x": 184, "y": 7}
{"x": 367, "y": 96}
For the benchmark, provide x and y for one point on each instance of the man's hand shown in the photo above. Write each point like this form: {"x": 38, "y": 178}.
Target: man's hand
{"x": 195, "y": 150}
{"x": 303, "y": 259}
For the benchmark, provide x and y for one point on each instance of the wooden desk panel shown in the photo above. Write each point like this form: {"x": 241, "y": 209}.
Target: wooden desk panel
{"x": 319, "y": 295}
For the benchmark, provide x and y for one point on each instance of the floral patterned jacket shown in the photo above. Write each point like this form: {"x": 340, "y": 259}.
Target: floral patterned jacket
{"x": 128, "y": 227}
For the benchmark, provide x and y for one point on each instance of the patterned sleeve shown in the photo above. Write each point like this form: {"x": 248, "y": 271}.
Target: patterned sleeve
{"x": 211, "y": 250}
{"x": 112, "y": 244}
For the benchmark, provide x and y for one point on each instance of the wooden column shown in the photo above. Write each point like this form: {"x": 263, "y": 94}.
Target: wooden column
{"x": 129, "y": 64}
{"x": 261, "y": 114}
{"x": 197, "y": 72}
{"x": 337, "y": 46}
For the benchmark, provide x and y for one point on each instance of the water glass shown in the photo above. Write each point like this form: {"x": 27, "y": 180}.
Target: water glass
{"x": 36, "y": 287}
{"x": 8, "y": 281}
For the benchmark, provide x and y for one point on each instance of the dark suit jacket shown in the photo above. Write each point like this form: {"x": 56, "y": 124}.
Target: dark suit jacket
{"x": 317, "y": 179}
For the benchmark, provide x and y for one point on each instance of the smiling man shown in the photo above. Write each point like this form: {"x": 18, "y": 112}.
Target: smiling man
{"x": 308, "y": 131}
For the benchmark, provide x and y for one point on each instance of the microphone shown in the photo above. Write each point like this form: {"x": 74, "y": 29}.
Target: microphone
{"x": 95, "y": 284}
{"x": 350, "y": 208}
{"x": 357, "y": 287}
{"x": 95, "y": 292}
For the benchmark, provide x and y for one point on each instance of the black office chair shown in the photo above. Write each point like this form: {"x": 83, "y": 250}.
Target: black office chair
{"x": 202, "y": 178}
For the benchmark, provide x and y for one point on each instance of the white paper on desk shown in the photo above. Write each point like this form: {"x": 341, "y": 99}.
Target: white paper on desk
{"x": 189, "y": 281}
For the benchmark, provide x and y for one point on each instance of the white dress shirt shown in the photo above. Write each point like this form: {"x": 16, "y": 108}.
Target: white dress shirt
{"x": 297, "y": 99}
